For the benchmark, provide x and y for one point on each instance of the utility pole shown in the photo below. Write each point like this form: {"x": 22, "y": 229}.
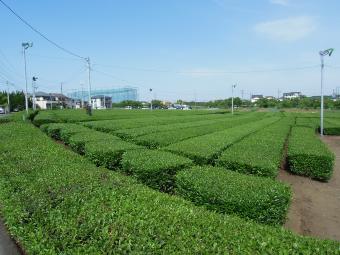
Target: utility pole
{"x": 34, "y": 87}
{"x": 322, "y": 54}
{"x": 25, "y": 46}
{"x": 8, "y": 102}
{"x": 232, "y": 98}
{"x": 278, "y": 94}
{"x": 89, "y": 79}
{"x": 61, "y": 88}
{"x": 242, "y": 92}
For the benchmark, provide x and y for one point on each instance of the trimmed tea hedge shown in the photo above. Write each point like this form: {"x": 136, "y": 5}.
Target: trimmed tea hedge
{"x": 308, "y": 155}
{"x": 331, "y": 126}
{"x": 161, "y": 139}
{"x": 257, "y": 198}
{"x": 63, "y": 131}
{"x": 157, "y": 169}
{"x": 137, "y": 132}
{"x": 107, "y": 153}
{"x": 112, "y": 125}
{"x": 204, "y": 149}
{"x": 259, "y": 154}
{"x": 55, "y": 202}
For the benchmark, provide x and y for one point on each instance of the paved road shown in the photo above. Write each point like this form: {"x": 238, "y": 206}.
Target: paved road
{"x": 7, "y": 245}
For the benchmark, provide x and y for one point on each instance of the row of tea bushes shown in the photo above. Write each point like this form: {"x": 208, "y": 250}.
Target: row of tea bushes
{"x": 80, "y": 115}
{"x": 204, "y": 149}
{"x": 110, "y": 126}
{"x": 63, "y": 204}
{"x": 101, "y": 148}
{"x": 259, "y": 154}
{"x": 261, "y": 199}
{"x": 154, "y": 168}
{"x": 331, "y": 126}
{"x": 133, "y": 133}
{"x": 161, "y": 139}
{"x": 308, "y": 155}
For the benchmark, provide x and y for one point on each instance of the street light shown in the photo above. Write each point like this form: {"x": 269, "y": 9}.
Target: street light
{"x": 322, "y": 54}
{"x": 25, "y": 46}
{"x": 232, "y": 98}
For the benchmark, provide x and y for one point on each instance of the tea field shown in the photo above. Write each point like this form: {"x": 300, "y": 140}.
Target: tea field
{"x": 159, "y": 182}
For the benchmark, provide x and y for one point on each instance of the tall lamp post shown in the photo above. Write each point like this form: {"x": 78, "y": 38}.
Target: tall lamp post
{"x": 323, "y": 53}
{"x": 232, "y": 98}
{"x": 25, "y": 46}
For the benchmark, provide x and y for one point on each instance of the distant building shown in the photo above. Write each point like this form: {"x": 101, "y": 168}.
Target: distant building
{"x": 269, "y": 97}
{"x": 101, "y": 102}
{"x": 255, "y": 98}
{"x": 51, "y": 100}
{"x": 291, "y": 95}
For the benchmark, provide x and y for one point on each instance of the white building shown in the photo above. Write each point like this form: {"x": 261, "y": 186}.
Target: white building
{"x": 101, "y": 102}
{"x": 255, "y": 98}
{"x": 51, "y": 100}
{"x": 291, "y": 95}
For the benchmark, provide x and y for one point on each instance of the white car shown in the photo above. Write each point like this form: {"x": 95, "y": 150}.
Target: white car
{"x": 2, "y": 110}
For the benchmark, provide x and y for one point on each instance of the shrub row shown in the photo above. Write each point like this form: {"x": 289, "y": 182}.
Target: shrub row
{"x": 112, "y": 125}
{"x": 55, "y": 202}
{"x": 259, "y": 154}
{"x": 308, "y": 155}
{"x": 140, "y": 131}
{"x": 257, "y": 198}
{"x": 331, "y": 126}
{"x": 161, "y": 139}
{"x": 72, "y": 115}
{"x": 155, "y": 168}
{"x": 101, "y": 148}
{"x": 204, "y": 149}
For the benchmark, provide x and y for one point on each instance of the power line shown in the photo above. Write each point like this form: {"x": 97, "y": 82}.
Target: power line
{"x": 39, "y": 33}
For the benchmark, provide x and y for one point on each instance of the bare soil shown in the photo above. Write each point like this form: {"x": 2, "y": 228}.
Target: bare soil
{"x": 315, "y": 208}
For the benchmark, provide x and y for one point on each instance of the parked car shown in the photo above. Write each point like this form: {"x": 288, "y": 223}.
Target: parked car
{"x": 2, "y": 110}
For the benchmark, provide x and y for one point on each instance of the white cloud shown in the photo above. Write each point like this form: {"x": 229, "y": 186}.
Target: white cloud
{"x": 290, "y": 29}
{"x": 280, "y": 2}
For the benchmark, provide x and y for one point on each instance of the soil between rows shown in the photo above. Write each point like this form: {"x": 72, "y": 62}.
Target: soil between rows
{"x": 315, "y": 207}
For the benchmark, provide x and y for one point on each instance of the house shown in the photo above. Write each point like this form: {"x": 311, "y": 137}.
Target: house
{"x": 101, "y": 102}
{"x": 51, "y": 100}
{"x": 291, "y": 95}
{"x": 270, "y": 97}
{"x": 255, "y": 98}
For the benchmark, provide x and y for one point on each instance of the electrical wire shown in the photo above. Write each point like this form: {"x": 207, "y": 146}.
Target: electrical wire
{"x": 39, "y": 33}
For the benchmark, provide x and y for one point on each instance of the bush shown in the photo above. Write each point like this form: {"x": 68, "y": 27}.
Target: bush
{"x": 157, "y": 169}
{"x": 205, "y": 149}
{"x": 161, "y": 139}
{"x": 260, "y": 153}
{"x": 257, "y": 198}
{"x": 77, "y": 141}
{"x": 107, "y": 153}
{"x": 63, "y": 131}
{"x": 55, "y": 202}
{"x": 308, "y": 155}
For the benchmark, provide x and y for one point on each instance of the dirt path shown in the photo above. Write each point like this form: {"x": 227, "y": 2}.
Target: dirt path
{"x": 315, "y": 208}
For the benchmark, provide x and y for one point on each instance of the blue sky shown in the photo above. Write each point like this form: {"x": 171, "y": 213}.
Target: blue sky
{"x": 181, "y": 48}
